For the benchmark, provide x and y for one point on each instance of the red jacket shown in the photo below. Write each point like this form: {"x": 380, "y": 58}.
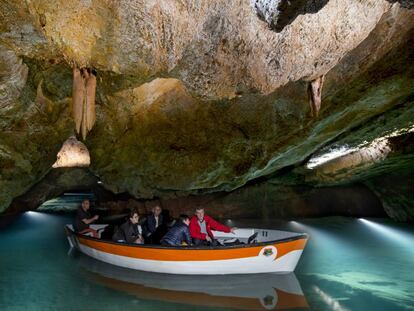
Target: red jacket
{"x": 211, "y": 224}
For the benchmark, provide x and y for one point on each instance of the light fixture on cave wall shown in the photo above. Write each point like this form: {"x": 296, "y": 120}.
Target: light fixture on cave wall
{"x": 73, "y": 153}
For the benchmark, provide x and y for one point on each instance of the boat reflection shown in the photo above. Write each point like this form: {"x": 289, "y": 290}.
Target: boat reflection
{"x": 243, "y": 292}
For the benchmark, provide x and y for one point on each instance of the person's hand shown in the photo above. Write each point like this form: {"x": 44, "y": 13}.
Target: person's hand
{"x": 95, "y": 217}
{"x": 208, "y": 238}
{"x": 233, "y": 229}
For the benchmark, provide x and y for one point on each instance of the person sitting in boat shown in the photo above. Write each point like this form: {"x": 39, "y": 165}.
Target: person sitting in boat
{"x": 84, "y": 218}
{"x": 155, "y": 227}
{"x": 179, "y": 233}
{"x": 201, "y": 226}
{"x": 130, "y": 231}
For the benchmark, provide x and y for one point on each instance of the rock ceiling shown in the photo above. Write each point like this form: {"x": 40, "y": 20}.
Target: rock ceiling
{"x": 202, "y": 96}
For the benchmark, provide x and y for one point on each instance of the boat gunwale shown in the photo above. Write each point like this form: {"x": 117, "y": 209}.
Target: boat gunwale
{"x": 300, "y": 236}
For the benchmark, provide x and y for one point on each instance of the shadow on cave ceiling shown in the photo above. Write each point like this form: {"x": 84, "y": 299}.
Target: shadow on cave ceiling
{"x": 286, "y": 11}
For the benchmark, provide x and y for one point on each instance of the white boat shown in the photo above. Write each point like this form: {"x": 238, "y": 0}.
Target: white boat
{"x": 256, "y": 251}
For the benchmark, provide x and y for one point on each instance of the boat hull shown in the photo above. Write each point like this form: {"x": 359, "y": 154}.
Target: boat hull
{"x": 277, "y": 256}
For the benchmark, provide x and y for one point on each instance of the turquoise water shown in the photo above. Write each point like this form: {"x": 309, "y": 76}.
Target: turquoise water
{"x": 348, "y": 265}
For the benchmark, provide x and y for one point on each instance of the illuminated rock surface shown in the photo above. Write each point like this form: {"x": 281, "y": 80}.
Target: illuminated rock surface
{"x": 204, "y": 98}
{"x": 72, "y": 154}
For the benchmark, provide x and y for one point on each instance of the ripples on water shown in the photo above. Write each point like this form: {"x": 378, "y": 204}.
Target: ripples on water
{"x": 348, "y": 265}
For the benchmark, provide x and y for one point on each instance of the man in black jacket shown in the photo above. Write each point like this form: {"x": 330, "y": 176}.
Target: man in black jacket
{"x": 155, "y": 227}
{"x": 179, "y": 233}
{"x": 130, "y": 231}
{"x": 84, "y": 218}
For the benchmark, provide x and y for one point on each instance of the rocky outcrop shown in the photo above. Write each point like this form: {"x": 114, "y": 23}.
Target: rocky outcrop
{"x": 13, "y": 76}
{"x": 280, "y": 13}
{"x": 377, "y": 157}
{"x": 32, "y": 128}
{"x": 72, "y": 154}
{"x": 396, "y": 191}
{"x": 56, "y": 183}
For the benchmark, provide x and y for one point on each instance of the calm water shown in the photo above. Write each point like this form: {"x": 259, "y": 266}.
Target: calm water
{"x": 348, "y": 265}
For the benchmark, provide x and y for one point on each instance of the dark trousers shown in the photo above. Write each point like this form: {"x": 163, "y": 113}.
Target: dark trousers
{"x": 155, "y": 238}
{"x": 198, "y": 242}
{"x": 163, "y": 243}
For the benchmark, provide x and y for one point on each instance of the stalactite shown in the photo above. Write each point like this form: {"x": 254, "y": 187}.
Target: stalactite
{"x": 84, "y": 130}
{"x": 78, "y": 93}
{"x": 83, "y": 103}
{"x": 90, "y": 100}
{"x": 315, "y": 94}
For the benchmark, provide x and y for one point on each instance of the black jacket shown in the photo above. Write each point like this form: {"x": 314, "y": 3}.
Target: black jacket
{"x": 151, "y": 223}
{"x": 127, "y": 232}
{"x": 79, "y": 225}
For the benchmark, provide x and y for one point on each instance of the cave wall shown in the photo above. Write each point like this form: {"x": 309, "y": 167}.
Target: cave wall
{"x": 195, "y": 99}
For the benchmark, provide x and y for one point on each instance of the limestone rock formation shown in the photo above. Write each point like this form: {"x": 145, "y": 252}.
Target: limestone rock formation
{"x": 54, "y": 184}
{"x": 396, "y": 192}
{"x": 13, "y": 76}
{"x": 201, "y": 97}
{"x": 83, "y": 100}
{"x": 315, "y": 95}
{"x": 376, "y": 152}
{"x": 280, "y": 13}
{"x": 214, "y": 47}
{"x": 72, "y": 154}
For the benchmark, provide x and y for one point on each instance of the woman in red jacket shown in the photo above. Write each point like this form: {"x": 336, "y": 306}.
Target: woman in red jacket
{"x": 201, "y": 226}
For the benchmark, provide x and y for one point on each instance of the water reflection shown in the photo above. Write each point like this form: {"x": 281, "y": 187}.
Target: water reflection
{"x": 243, "y": 292}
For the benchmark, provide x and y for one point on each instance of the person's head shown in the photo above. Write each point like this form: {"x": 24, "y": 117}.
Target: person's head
{"x": 134, "y": 216}
{"x": 85, "y": 204}
{"x": 200, "y": 213}
{"x": 156, "y": 210}
{"x": 185, "y": 219}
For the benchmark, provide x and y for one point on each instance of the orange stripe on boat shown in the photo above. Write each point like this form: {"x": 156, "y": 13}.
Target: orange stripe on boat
{"x": 165, "y": 254}
{"x": 286, "y": 247}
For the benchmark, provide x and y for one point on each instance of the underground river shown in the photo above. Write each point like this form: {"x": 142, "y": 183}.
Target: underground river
{"x": 349, "y": 264}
